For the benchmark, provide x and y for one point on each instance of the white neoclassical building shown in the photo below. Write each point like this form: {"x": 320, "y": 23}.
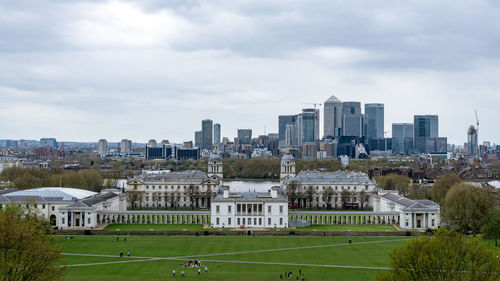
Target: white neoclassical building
{"x": 63, "y": 207}
{"x": 165, "y": 189}
{"x": 413, "y": 214}
{"x": 356, "y": 187}
{"x": 250, "y": 209}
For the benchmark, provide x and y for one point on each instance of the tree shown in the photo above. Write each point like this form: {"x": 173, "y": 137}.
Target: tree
{"x": 344, "y": 196}
{"x": 192, "y": 193}
{"x": 310, "y": 194}
{"x": 27, "y": 252}
{"x": 156, "y": 199}
{"x": 134, "y": 198}
{"x": 395, "y": 182}
{"x": 491, "y": 229}
{"x": 292, "y": 192}
{"x": 442, "y": 185}
{"x": 446, "y": 256}
{"x": 466, "y": 207}
{"x": 364, "y": 197}
{"x": 327, "y": 195}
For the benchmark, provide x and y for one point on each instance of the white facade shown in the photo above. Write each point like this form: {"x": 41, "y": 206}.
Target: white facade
{"x": 413, "y": 214}
{"x": 249, "y": 209}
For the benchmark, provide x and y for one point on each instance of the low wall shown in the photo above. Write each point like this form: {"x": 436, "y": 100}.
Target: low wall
{"x": 245, "y": 232}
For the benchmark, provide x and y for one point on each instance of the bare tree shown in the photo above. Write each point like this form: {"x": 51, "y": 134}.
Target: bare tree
{"x": 327, "y": 195}
{"x": 292, "y": 192}
{"x": 192, "y": 193}
{"x": 364, "y": 197}
{"x": 156, "y": 199}
{"x": 134, "y": 198}
{"x": 172, "y": 199}
{"x": 345, "y": 196}
{"x": 310, "y": 194}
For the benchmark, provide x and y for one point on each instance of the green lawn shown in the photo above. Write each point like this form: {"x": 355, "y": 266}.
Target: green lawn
{"x": 369, "y": 255}
{"x": 349, "y": 227}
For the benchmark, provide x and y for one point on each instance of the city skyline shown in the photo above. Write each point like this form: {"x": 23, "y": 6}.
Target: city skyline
{"x": 82, "y": 71}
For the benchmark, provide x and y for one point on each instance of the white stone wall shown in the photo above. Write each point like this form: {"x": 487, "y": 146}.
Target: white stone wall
{"x": 226, "y": 219}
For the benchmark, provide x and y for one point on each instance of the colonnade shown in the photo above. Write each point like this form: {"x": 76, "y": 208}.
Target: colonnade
{"x": 134, "y": 217}
{"x": 346, "y": 217}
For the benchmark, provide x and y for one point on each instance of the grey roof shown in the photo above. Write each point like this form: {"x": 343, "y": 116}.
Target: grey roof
{"x": 346, "y": 177}
{"x": 251, "y": 196}
{"x": 332, "y": 99}
{"x": 7, "y": 190}
{"x": 55, "y": 192}
{"x": 410, "y": 204}
{"x": 214, "y": 158}
{"x": 190, "y": 176}
{"x": 89, "y": 202}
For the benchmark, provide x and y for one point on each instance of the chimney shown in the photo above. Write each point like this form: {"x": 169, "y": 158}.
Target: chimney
{"x": 226, "y": 192}
{"x": 274, "y": 192}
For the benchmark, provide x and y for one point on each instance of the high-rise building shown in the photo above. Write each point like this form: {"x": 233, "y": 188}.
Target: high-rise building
{"x": 152, "y": 143}
{"x": 207, "y": 126}
{"x": 310, "y": 125}
{"x": 402, "y": 138}
{"x": 283, "y": 120}
{"x": 48, "y": 142}
{"x": 291, "y": 134}
{"x": 244, "y": 136}
{"x": 332, "y": 117}
{"x": 374, "y": 121}
{"x": 426, "y": 133}
{"x": 352, "y": 119}
{"x": 216, "y": 133}
{"x": 198, "y": 138}
{"x": 472, "y": 144}
{"x": 125, "y": 146}
{"x": 102, "y": 147}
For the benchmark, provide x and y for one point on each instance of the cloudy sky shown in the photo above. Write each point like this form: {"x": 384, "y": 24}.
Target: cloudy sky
{"x": 84, "y": 70}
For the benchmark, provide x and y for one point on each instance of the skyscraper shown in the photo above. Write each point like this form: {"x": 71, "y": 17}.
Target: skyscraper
{"x": 472, "y": 148}
{"x": 207, "y": 134}
{"x": 374, "y": 121}
{"x": 125, "y": 146}
{"x": 102, "y": 147}
{"x": 283, "y": 120}
{"x": 216, "y": 133}
{"x": 332, "y": 117}
{"x": 352, "y": 120}
{"x": 426, "y": 133}
{"x": 310, "y": 125}
{"x": 402, "y": 138}
{"x": 198, "y": 138}
{"x": 244, "y": 136}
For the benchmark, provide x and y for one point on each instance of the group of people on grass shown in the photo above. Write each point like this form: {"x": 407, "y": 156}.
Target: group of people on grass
{"x": 196, "y": 264}
{"x": 289, "y": 275}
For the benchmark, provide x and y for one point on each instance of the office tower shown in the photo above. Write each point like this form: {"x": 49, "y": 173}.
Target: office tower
{"x": 310, "y": 125}
{"x": 472, "y": 143}
{"x": 217, "y": 133}
{"x": 125, "y": 146}
{"x": 244, "y": 136}
{"x": 198, "y": 138}
{"x": 282, "y": 121}
{"x": 48, "y": 142}
{"x": 332, "y": 117}
{"x": 291, "y": 134}
{"x": 352, "y": 120}
{"x": 207, "y": 126}
{"x": 402, "y": 138}
{"x": 102, "y": 147}
{"x": 374, "y": 121}
{"x": 152, "y": 143}
{"x": 426, "y": 133}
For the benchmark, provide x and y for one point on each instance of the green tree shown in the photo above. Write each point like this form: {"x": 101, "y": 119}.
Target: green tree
{"x": 394, "y": 182}
{"x": 446, "y": 256}
{"x": 26, "y": 251}
{"x": 466, "y": 207}
{"x": 442, "y": 185}
{"x": 491, "y": 229}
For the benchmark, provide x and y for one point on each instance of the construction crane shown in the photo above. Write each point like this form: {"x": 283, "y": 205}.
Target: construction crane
{"x": 315, "y": 104}
{"x": 477, "y": 121}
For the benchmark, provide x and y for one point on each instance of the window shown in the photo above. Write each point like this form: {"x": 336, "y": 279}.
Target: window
{"x": 432, "y": 222}
{"x": 36, "y": 206}
{"x": 88, "y": 220}
{"x": 366, "y": 187}
{"x": 260, "y": 221}
{"x": 229, "y": 209}
{"x": 281, "y": 221}
{"x": 239, "y": 221}
{"x": 53, "y": 208}
{"x": 153, "y": 187}
{"x": 254, "y": 221}
{"x": 43, "y": 206}
{"x": 238, "y": 209}
{"x": 406, "y": 222}
{"x": 269, "y": 209}
{"x": 269, "y": 221}
{"x": 217, "y": 208}
{"x": 354, "y": 188}
{"x": 217, "y": 221}
{"x": 243, "y": 220}
{"x": 147, "y": 186}
{"x": 336, "y": 188}
{"x": 62, "y": 220}
{"x": 229, "y": 221}
{"x": 281, "y": 209}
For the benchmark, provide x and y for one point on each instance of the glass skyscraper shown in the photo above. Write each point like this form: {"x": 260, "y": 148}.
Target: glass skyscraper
{"x": 352, "y": 120}
{"x": 332, "y": 117}
{"x": 374, "y": 121}
{"x": 207, "y": 134}
{"x": 217, "y": 133}
{"x": 310, "y": 125}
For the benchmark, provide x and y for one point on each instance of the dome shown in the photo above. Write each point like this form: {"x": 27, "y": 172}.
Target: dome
{"x": 287, "y": 158}
{"x": 215, "y": 158}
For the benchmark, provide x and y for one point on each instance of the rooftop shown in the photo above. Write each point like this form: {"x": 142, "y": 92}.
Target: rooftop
{"x": 409, "y": 203}
{"x": 66, "y": 193}
{"x": 347, "y": 177}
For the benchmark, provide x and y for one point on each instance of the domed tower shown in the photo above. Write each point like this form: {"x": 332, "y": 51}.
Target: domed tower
{"x": 287, "y": 167}
{"x": 215, "y": 166}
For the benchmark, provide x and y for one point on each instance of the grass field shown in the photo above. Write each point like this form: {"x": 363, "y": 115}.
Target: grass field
{"x": 227, "y": 257}
{"x": 199, "y": 227}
